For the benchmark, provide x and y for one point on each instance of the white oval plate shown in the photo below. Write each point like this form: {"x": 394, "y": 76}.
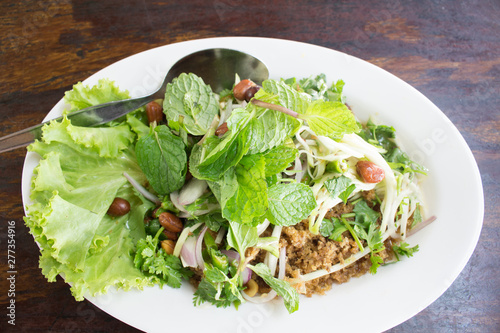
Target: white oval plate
{"x": 367, "y": 304}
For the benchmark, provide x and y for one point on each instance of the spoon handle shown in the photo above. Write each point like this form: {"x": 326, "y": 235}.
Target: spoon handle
{"x": 88, "y": 117}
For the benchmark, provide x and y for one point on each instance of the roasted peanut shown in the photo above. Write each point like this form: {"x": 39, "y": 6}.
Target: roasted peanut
{"x": 168, "y": 246}
{"x": 119, "y": 207}
{"x": 241, "y": 88}
{"x": 251, "y": 92}
{"x": 170, "y": 222}
{"x": 370, "y": 172}
{"x": 170, "y": 234}
{"x": 154, "y": 111}
{"x": 252, "y": 288}
{"x": 221, "y": 130}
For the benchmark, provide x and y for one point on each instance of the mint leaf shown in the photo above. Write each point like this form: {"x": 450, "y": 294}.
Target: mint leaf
{"x": 244, "y": 191}
{"x": 162, "y": 157}
{"x": 282, "y": 288}
{"x": 332, "y": 119}
{"x": 270, "y": 129}
{"x": 290, "y": 203}
{"x": 278, "y": 159}
{"x": 340, "y": 187}
{"x": 278, "y": 92}
{"x": 241, "y": 237}
{"x": 189, "y": 98}
{"x": 211, "y": 159}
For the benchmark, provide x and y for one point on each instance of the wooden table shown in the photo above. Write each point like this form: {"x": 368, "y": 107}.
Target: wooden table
{"x": 449, "y": 50}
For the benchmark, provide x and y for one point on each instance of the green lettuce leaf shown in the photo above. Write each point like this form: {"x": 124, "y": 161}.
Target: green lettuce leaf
{"x": 82, "y": 96}
{"x": 74, "y": 184}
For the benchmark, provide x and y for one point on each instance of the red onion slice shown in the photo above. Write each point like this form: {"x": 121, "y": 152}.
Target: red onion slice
{"x": 246, "y": 274}
{"x": 232, "y": 255}
{"x": 282, "y": 263}
{"x": 192, "y": 191}
{"x": 148, "y": 195}
{"x": 174, "y": 197}
{"x": 272, "y": 294}
{"x": 188, "y": 256}
{"x": 420, "y": 226}
{"x": 198, "y": 253}
{"x": 262, "y": 227}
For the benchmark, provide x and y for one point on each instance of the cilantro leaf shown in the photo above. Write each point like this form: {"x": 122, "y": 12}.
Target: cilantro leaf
{"x": 326, "y": 228}
{"x": 383, "y": 136}
{"x": 282, "y": 288}
{"x": 220, "y": 294}
{"x": 404, "y": 249}
{"x": 338, "y": 229}
{"x": 365, "y": 216}
{"x": 318, "y": 88}
{"x": 162, "y": 157}
{"x": 376, "y": 262}
{"x": 340, "y": 187}
{"x": 166, "y": 267}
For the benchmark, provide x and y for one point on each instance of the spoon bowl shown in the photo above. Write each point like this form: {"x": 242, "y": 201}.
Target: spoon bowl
{"x": 217, "y": 67}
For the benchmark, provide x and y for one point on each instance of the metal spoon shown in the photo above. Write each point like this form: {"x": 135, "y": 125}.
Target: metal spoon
{"x": 217, "y": 67}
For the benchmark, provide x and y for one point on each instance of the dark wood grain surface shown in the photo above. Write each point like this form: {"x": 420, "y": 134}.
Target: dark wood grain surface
{"x": 447, "y": 49}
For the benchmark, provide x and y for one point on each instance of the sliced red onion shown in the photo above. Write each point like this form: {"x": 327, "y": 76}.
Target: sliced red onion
{"x": 272, "y": 294}
{"x": 282, "y": 263}
{"x": 246, "y": 274}
{"x": 174, "y": 197}
{"x": 198, "y": 253}
{"x": 420, "y": 226}
{"x": 271, "y": 261}
{"x": 188, "y": 256}
{"x": 191, "y": 191}
{"x": 186, "y": 215}
{"x": 300, "y": 175}
{"x": 220, "y": 235}
{"x": 148, "y": 195}
{"x": 231, "y": 254}
{"x": 262, "y": 227}
{"x": 182, "y": 238}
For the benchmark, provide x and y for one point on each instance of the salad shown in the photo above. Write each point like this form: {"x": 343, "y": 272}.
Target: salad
{"x": 251, "y": 194}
